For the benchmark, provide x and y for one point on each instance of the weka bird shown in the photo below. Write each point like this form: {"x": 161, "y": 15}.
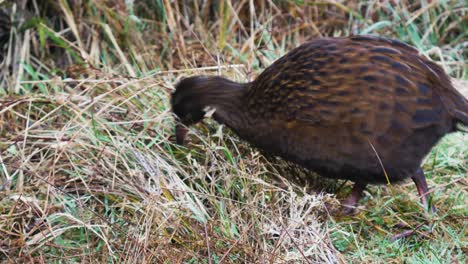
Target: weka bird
{"x": 363, "y": 108}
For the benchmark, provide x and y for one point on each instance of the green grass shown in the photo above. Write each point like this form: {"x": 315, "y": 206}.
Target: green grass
{"x": 88, "y": 172}
{"x": 446, "y": 168}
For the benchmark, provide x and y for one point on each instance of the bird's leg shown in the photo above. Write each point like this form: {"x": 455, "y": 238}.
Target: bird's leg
{"x": 420, "y": 180}
{"x": 351, "y": 201}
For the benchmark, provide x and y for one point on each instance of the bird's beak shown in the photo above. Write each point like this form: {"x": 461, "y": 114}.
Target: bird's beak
{"x": 180, "y": 133}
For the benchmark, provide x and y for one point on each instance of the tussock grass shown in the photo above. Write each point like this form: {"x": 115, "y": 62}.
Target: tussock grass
{"x": 88, "y": 172}
{"x": 94, "y": 177}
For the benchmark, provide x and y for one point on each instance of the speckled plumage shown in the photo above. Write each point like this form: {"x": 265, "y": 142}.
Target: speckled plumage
{"x": 347, "y": 108}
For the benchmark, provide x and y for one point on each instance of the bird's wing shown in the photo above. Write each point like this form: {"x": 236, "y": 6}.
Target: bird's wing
{"x": 334, "y": 82}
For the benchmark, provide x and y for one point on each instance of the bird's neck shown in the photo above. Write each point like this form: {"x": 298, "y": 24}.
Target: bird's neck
{"x": 228, "y": 100}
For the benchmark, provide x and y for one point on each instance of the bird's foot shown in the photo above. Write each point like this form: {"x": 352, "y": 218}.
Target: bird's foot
{"x": 411, "y": 232}
{"x": 343, "y": 209}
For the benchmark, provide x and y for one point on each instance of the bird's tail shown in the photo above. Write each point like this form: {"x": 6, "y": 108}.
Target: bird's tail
{"x": 459, "y": 111}
{"x": 461, "y": 120}
{"x": 455, "y": 102}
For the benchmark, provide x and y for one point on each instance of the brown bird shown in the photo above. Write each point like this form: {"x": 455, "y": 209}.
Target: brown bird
{"x": 363, "y": 108}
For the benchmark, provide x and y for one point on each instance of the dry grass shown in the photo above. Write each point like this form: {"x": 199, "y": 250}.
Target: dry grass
{"x": 88, "y": 172}
{"x": 93, "y": 169}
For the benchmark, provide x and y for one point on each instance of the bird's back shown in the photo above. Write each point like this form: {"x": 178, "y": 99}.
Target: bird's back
{"x": 336, "y": 104}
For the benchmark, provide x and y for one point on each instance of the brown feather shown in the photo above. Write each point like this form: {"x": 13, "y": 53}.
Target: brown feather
{"x": 337, "y": 106}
